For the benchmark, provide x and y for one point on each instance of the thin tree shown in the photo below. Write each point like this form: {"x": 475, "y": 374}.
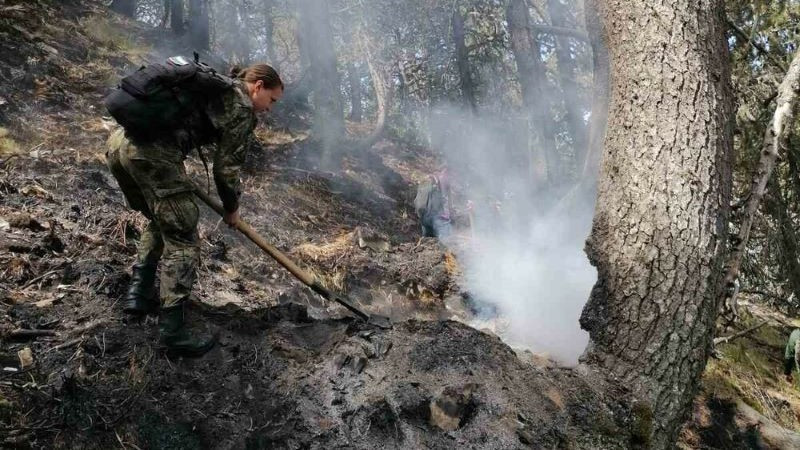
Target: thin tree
{"x": 468, "y": 88}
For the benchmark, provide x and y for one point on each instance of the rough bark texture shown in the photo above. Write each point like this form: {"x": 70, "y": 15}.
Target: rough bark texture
{"x": 468, "y": 89}
{"x": 199, "y": 35}
{"x": 659, "y": 230}
{"x": 124, "y": 7}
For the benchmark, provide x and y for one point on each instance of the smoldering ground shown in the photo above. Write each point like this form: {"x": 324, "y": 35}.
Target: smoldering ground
{"x": 524, "y": 262}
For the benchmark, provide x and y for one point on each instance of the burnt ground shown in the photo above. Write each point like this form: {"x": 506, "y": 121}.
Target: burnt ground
{"x": 290, "y": 371}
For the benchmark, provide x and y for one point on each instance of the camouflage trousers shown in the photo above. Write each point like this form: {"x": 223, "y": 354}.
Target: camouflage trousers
{"x": 153, "y": 179}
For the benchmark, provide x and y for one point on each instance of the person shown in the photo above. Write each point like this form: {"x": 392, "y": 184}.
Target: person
{"x": 153, "y": 180}
{"x": 791, "y": 355}
{"x": 433, "y": 205}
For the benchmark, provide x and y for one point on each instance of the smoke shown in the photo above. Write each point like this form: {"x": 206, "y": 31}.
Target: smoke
{"x": 525, "y": 268}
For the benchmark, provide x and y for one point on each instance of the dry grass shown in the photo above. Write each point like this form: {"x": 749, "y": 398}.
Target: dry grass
{"x": 106, "y": 32}
{"x": 337, "y": 247}
{"x": 751, "y": 368}
{"x": 8, "y": 146}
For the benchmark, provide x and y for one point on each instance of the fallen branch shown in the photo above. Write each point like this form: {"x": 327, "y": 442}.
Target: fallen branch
{"x": 725, "y": 339}
{"x": 22, "y": 333}
{"x": 771, "y": 432}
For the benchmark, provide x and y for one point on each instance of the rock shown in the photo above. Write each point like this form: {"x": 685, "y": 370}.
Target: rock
{"x": 25, "y": 358}
{"x": 450, "y": 408}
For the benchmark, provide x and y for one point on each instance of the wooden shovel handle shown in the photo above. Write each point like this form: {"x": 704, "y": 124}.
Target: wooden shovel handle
{"x": 307, "y": 278}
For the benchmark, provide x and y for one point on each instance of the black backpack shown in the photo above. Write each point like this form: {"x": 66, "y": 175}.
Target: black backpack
{"x": 160, "y": 99}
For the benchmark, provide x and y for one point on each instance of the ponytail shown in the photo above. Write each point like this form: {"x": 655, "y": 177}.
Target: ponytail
{"x": 268, "y": 76}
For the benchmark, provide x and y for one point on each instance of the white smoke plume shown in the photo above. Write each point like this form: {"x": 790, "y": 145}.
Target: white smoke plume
{"x": 524, "y": 260}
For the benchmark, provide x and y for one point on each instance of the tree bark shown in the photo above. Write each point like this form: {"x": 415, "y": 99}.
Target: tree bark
{"x": 317, "y": 42}
{"x": 124, "y": 7}
{"x": 775, "y": 139}
{"x": 468, "y": 90}
{"x": 559, "y": 14}
{"x": 383, "y": 91}
{"x": 199, "y": 35}
{"x": 660, "y": 226}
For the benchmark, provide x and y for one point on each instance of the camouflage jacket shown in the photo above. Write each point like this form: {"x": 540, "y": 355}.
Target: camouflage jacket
{"x": 233, "y": 118}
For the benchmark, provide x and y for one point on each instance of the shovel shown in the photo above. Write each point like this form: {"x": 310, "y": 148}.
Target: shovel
{"x": 307, "y": 278}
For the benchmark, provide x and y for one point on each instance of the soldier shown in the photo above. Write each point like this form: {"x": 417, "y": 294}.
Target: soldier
{"x": 152, "y": 177}
{"x": 433, "y": 205}
{"x": 791, "y": 355}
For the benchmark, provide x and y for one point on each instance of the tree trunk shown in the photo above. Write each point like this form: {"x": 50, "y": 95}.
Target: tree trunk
{"x": 356, "y": 96}
{"x": 124, "y": 7}
{"x": 559, "y": 14}
{"x": 317, "y": 42}
{"x": 542, "y": 159}
{"x": 176, "y": 15}
{"x": 468, "y": 90}
{"x": 382, "y": 88}
{"x": 199, "y": 35}
{"x": 660, "y": 226}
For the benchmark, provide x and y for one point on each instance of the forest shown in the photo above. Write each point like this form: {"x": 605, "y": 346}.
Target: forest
{"x": 399, "y": 224}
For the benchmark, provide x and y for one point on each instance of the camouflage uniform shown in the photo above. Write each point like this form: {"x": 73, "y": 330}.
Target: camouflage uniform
{"x": 153, "y": 179}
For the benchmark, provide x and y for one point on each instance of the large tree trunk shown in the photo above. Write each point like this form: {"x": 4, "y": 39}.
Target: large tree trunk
{"x": 199, "y": 35}
{"x": 660, "y": 225}
{"x": 468, "y": 89}
{"x": 124, "y": 7}
{"x": 559, "y": 14}
{"x": 542, "y": 159}
{"x": 317, "y": 42}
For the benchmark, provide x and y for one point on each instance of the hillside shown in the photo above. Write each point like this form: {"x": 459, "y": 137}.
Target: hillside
{"x": 290, "y": 371}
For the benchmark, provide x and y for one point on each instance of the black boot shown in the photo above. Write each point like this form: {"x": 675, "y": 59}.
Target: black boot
{"x": 176, "y": 338}
{"x": 141, "y": 297}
